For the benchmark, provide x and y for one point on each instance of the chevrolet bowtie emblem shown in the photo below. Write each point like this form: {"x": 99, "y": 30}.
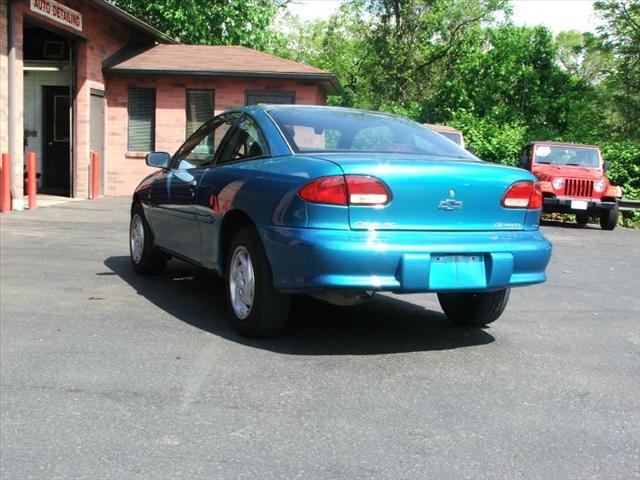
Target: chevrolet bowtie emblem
{"x": 450, "y": 204}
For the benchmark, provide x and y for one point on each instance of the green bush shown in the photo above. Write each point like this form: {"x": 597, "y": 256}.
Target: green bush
{"x": 624, "y": 156}
{"x": 491, "y": 140}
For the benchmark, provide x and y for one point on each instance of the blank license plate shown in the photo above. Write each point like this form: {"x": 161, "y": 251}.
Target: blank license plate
{"x": 578, "y": 204}
{"x": 457, "y": 271}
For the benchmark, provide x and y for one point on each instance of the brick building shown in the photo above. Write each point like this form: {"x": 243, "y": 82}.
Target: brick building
{"x": 82, "y": 76}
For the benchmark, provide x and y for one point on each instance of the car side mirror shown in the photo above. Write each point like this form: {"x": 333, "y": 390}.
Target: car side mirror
{"x": 158, "y": 159}
{"x": 607, "y": 165}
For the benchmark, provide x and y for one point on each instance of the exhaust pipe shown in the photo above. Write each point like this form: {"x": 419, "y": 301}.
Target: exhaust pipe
{"x": 343, "y": 298}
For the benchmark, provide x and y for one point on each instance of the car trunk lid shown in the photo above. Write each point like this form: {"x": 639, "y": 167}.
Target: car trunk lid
{"x": 434, "y": 193}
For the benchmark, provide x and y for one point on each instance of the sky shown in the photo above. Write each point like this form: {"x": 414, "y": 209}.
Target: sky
{"x": 557, "y": 15}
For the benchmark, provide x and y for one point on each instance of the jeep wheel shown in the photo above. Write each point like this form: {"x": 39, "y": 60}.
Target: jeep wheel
{"x": 609, "y": 218}
{"x": 474, "y": 309}
{"x": 257, "y": 308}
{"x": 582, "y": 219}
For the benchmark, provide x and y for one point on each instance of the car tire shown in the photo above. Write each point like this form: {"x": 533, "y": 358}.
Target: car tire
{"x": 257, "y": 309}
{"x": 474, "y": 309}
{"x": 145, "y": 258}
{"x": 582, "y": 219}
{"x": 609, "y": 218}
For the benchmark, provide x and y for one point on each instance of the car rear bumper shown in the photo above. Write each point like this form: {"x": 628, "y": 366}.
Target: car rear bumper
{"x": 565, "y": 205}
{"x": 307, "y": 259}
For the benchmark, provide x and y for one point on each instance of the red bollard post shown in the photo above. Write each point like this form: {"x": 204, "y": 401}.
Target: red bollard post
{"x": 95, "y": 176}
{"x": 31, "y": 179}
{"x": 5, "y": 196}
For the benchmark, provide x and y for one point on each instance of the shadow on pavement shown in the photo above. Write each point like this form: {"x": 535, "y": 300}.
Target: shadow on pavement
{"x": 572, "y": 226}
{"x": 382, "y": 325}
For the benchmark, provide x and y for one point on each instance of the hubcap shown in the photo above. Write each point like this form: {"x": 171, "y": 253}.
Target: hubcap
{"x": 241, "y": 282}
{"x": 136, "y": 238}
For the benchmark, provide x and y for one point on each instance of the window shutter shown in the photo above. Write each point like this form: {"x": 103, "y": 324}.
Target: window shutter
{"x": 142, "y": 110}
{"x": 200, "y": 108}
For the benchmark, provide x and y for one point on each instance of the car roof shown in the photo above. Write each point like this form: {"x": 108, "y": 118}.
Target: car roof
{"x": 561, "y": 144}
{"x": 282, "y": 106}
{"x": 442, "y": 128}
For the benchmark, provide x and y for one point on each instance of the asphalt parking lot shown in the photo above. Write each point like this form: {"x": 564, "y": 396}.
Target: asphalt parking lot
{"x": 106, "y": 374}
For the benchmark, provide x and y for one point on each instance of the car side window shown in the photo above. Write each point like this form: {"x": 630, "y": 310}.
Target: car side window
{"x": 200, "y": 148}
{"x": 246, "y": 141}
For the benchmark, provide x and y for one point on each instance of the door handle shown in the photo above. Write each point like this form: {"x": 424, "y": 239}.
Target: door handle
{"x": 192, "y": 185}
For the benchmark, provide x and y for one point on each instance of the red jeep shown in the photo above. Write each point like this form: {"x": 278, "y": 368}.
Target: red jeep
{"x": 572, "y": 180}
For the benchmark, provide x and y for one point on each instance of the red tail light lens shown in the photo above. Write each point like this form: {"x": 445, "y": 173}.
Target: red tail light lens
{"x": 523, "y": 195}
{"x": 329, "y": 190}
{"x": 346, "y": 190}
{"x": 536, "y": 197}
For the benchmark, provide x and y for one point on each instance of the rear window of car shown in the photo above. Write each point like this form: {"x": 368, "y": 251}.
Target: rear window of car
{"x": 313, "y": 129}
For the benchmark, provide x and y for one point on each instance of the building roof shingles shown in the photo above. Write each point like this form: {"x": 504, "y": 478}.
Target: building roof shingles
{"x": 214, "y": 60}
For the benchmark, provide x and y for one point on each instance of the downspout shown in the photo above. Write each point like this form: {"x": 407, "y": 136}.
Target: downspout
{"x": 17, "y": 202}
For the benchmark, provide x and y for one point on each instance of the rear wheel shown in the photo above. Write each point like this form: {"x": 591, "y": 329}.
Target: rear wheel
{"x": 257, "y": 308}
{"x": 474, "y": 309}
{"x": 609, "y": 218}
{"x": 145, "y": 259}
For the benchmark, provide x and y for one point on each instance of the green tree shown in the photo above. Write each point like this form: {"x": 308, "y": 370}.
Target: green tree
{"x": 621, "y": 36}
{"x": 508, "y": 74}
{"x": 583, "y": 55}
{"x": 386, "y": 52}
{"x": 338, "y": 44}
{"x": 408, "y": 40}
{"x": 210, "y": 22}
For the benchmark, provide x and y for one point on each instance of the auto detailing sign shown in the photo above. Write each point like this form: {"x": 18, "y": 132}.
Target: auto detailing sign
{"x": 58, "y": 12}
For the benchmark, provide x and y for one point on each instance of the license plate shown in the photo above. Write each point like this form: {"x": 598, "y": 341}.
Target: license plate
{"x": 578, "y": 205}
{"x": 457, "y": 271}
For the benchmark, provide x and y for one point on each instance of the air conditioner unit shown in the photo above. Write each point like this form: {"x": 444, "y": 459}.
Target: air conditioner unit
{"x": 53, "y": 49}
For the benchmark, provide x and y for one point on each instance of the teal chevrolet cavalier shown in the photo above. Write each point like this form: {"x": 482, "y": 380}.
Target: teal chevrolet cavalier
{"x": 338, "y": 204}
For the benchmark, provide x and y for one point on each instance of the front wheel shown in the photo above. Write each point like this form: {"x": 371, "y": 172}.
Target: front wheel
{"x": 609, "y": 218}
{"x": 257, "y": 308}
{"x": 146, "y": 260}
{"x": 474, "y": 309}
{"x": 582, "y": 219}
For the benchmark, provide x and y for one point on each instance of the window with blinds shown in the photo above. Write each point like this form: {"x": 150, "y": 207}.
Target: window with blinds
{"x": 200, "y": 108}
{"x": 142, "y": 119}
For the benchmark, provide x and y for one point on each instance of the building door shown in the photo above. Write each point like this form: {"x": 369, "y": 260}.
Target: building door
{"x": 56, "y": 166}
{"x": 259, "y": 97}
{"x": 96, "y": 131}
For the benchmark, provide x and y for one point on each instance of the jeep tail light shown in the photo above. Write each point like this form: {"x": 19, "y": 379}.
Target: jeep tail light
{"x": 523, "y": 195}
{"x": 346, "y": 190}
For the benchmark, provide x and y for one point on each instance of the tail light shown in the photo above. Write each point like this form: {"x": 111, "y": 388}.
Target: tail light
{"x": 364, "y": 190}
{"x": 346, "y": 190}
{"x": 523, "y": 195}
{"x": 330, "y": 190}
